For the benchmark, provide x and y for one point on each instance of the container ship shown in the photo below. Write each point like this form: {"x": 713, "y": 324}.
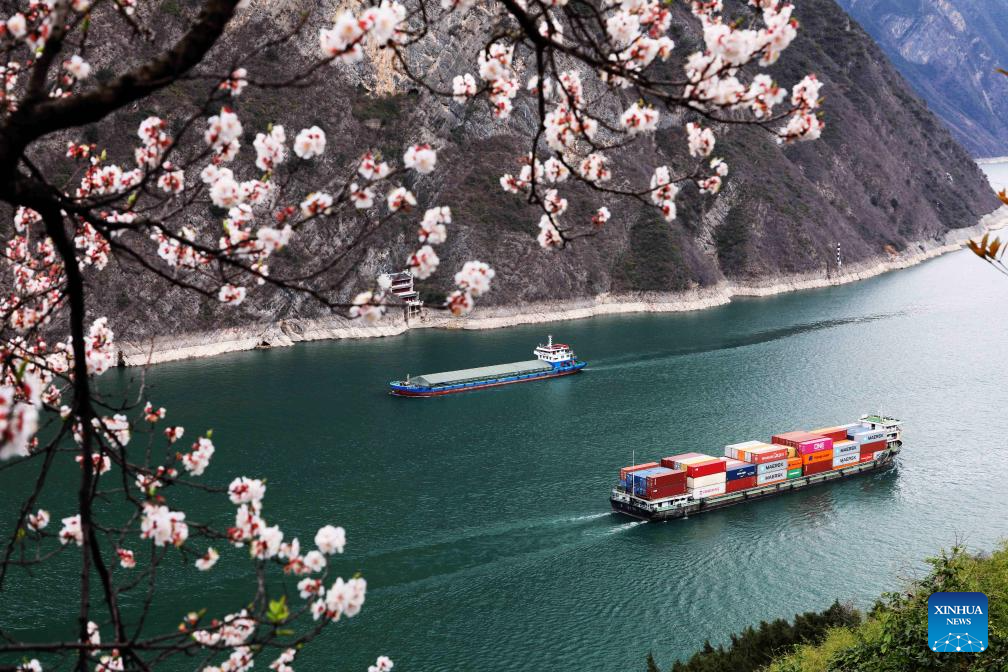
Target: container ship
{"x": 552, "y": 361}
{"x": 690, "y": 483}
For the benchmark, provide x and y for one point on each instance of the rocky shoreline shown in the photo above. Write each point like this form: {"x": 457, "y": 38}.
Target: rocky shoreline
{"x": 289, "y": 332}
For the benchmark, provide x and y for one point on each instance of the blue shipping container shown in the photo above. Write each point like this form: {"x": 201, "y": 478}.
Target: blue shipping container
{"x": 742, "y": 471}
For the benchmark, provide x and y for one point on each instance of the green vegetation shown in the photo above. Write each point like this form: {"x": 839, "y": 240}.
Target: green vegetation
{"x": 732, "y": 241}
{"x": 654, "y": 261}
{"x": 892, "y": 637}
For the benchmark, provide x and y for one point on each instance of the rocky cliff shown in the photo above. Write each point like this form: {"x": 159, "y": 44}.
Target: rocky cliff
{"x": 949, "y": 50}
{"x": 886, "y": 175}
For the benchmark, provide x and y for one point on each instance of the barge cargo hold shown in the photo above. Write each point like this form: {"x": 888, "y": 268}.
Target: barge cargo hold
{"x": 882, "y": 441}
{"x": 552, "y": 361}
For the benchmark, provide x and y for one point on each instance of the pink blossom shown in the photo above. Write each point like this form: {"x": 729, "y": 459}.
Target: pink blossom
{"x": 382, "y": 664}
{"x": 463, "y": 87}
{"x": 423, "y": 262}
{"x": 71, "y": 531}
{"x": 244, "y": 490}
{"x": 475, "y": 278}
{"x": 420, "y": 158}
{"x": 197, "y": 460}
{"x": 432, "y": 227}
{"x": 163, "y": 525}
{"x": 330, "y": 539}
{"x": 400, "y": 198}
{"x": 208, "y": 560}
{"x": 37, "y": 521}
{"x": 310, "y": 142}
{"x": 549, "y": 237}
{"x": 365, "y": 308}
{"x": 126, "y": 558}
{"x": 231, "y": 294}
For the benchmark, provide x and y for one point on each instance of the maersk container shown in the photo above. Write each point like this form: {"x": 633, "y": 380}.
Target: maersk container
{"x": 712, "y": 466}
{"x": 637, "y": 467}
{"x": 709, "y": 491}
{"x": 741, "y": 484}
{"x": 794, "y": 473}
{"x": 736, "y": 469}
{"x": 846, "y": 447}
{"x": 846, "y": 460}
{"x": 704, "y": 481}
{"x": 776, "y": 465}
{"x": 771, "y": 477}
{"x": 865, "y": 435}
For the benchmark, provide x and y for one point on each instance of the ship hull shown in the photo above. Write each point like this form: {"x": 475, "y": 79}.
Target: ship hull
{"x": 407, "y": 391}
{"x": 655, "y": 511}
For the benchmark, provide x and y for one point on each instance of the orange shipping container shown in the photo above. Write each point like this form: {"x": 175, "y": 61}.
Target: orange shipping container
{"x": 637, "y": 467}
{"x": 794, "y": 463}
{"x": 821, "y": 456}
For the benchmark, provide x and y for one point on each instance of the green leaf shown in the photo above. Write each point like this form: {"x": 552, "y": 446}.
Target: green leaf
{"x": 278, "y": 611}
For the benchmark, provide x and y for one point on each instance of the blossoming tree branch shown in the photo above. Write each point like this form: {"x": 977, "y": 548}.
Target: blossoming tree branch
{"x": 205, "y": 201}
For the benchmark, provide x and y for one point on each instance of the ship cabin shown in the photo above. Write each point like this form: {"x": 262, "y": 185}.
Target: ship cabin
{"x": 554, "y": 353}
{"x": 891, "y": 426}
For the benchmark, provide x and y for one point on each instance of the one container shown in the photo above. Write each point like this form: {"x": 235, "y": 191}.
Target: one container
{"x": 794, "y": 473}
{"x": 846, "y": 460}
{"x": 711, "y": 466}
{"x": 805, "y": 442}
{"x": 709, "y": 491}
{"x": 816, "y": 467}
{"x": 776, "y": 465}
{"x": 670, "y": 461}
{"x": 704, "y": 481}
{"x": 737, "y": 469}
{"x": 637, "y": 467}
{"x": 820, "y": 456}
{"x": 846, "y": 447}
{"x": 771, "y": 477}
{"x": 732, "y": 450}
{"x": 794, "y": 463}
{"x": 741, "y": 484}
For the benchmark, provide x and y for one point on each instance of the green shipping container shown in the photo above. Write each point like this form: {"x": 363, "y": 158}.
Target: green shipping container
{"x": 794, "y": 473}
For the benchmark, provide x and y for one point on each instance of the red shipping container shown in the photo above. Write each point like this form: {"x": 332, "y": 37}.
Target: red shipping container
{"x": 769, "y": 456}
{"x": 713, "y": 466}
{"x": 669, "y": 462}
{"x": 805, "y": 442}
{"x": 817, "y": 467}
{"x": 740, "y": 484}
{"x": 866, "y": 458}
{"x": 663, "y": 491}
{"x": 637, "y": 467}
{"x": 874, "y": 446}
{"x": 835, "y": 433}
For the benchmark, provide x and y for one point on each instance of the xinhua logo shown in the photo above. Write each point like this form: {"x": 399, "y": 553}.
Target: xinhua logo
{"x": 957, "y": 622}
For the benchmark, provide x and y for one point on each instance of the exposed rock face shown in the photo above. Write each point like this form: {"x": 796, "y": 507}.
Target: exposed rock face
{"x": 948, "y": 50}
{"x": 886, "y": 175}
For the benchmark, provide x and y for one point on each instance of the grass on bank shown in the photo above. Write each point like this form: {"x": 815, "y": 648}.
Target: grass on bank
{"x": 891, "y": 637}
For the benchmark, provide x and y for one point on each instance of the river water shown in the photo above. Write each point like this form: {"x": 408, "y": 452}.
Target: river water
{"x": 481, "y": 520}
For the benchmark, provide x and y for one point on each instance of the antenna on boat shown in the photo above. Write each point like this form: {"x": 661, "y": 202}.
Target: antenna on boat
{"x": 550, "y": 344}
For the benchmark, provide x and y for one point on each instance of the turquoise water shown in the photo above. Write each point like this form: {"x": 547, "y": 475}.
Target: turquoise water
{"x": 481, "y": 520}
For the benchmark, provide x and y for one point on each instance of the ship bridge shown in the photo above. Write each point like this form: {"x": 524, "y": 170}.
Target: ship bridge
{"x": 554, "y": 353}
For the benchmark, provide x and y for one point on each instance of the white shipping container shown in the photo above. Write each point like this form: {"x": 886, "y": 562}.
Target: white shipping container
{"x": 708, "y": 491}
{"x": 844, "y": 460}
{"x": 846, "y": 448}
{"x": 771, "y": 476}
{"x": 868, "y": 436}
{"x": 776, "y": 465}
{"x": 704, "y": 481}
{"x": 734, "y": 450}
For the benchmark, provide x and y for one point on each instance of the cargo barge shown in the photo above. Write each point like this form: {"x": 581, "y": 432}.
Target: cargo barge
{"x": 552, "y": 361}
{"x": 691, "y": 483}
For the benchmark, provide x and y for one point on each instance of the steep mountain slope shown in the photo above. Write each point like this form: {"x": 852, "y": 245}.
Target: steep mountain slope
{"x": 886, "y": 174}
{"x": 948, "y": 50}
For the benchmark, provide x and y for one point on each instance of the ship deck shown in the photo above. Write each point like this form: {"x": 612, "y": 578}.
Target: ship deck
{"x": 480, "y": 373}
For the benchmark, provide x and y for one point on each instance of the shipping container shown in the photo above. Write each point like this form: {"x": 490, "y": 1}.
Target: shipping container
{"x": 765, "y": 453}
{"x": 771, "y": 477}
{"x": 846, "y": 460}
{"x": 794, "y": 473}
{"x": 741, "y": 484}
{"x": 838, "y": 433}
{"x": 866, "y": 458}
{"x": 865, "y": 435}
{"x": 665, "y": 492}
{"x": 667, "y": 484}
{"x": 794, "y": 463}
{"x": 670, "y": 461}
{"x": 846, "y": 447}
{"x": 825, "y": 456}
{"x": 735, "y": 449}
{"x": 874, "y": 445}
{"x": 711, "y": 466}
{"x": 704, "y": 481}
{"x": 817, "y": 467}
{"x": 709, "y": 491}
{"x": 637, "y": 467}
{"x": 737, "y": 469}
{"x": 637, "y": 480}
{"x": 776, "y": 465}
{"x": 805, "y": 442}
